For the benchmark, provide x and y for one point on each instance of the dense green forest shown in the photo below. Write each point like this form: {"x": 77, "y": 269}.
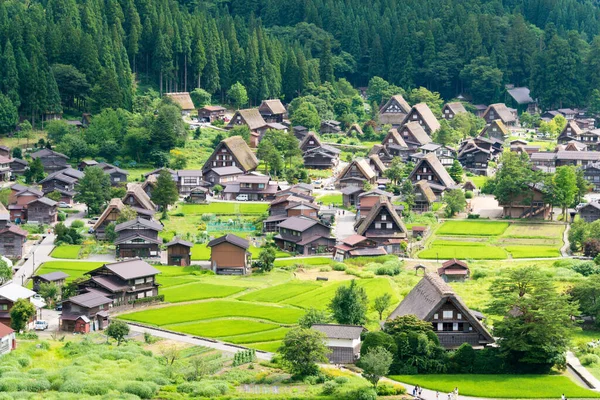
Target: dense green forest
{"x": 88, "y": 54}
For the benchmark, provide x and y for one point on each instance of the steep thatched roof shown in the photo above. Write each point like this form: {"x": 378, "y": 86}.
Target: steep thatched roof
{"x": 362, "y": 165}
{"x": 355, "y": 128}
{"x": 456, "y": 108}
{"x": 501, "y": 111}
{"x": 395, "y": 137}
{"x": 376, "y": 161}
{"x": 274, "y": 106}
{"x": 437, "y": 167}
{"x": 417, "y": 131}
{"x": 136, "y": 190}
{"x": 424, "y": 187}
{"x": 241, "y": 151}
{"x": 251, "y": 116}
{"x": 427, "y": 115}
{"x": 383, "y": 202}
{"x": 311, "y": 135}
{"x": 183, "y": 99}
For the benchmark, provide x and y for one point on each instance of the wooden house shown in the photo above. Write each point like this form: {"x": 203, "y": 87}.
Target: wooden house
{"x": 85, "y": 313}
{"x": 188, "y": 179}
{"x": 197, "y": 195}
{"x": 393, "y": 138}
{"x": 529, "y": 204}
{"x": 377, "y": 165}
{"x": 305, "y": 236}
{"x": 112, "y": 212}
{"x": 495, "y": 130}
{"x": 357, "y": 173}
{"x": 368, "y": 199}
{"x": 424, "y": 197}
{"x": 384, "y": 154}
{"x": 433, "y": 300}
{"x": 5, "y": 171}
{"x": 12, "y": 237}
{"x": 272, "y": 110}
{"x": 422, "y": 114}
{"x": 9, "y": 294}
{"x": 5, "y": 151}
{"x": 56, "y": 277}
{"x": 290, "y": 205}
{"x": 480, "y": 109}
{"x": 310, "y": 141}
{"x": 136, "y": 197}
{"x": 454, "y": 271}
{"x": 211, "y": 114}
{"x": 8, "y": 340}
{"x": 520, "y": 97}
{"x": 383, "y": 225}
{"x": 355, "y": 130}
{"x": 350, "y": 195}
{"x": 357, "y": 246}
{"x": 86, "y": 163}
{"x": 51, "y": 160}
{"x": 300, "y": 131}
{"x": 394, "y": 111}
{"x": 343, "y": 341}
{"x": 138, "y": 238}
{"x": 183, "y": 100}
{"x": 254, "y": 186}
{"x": 42, "y": 211}
{"x": 229, "y": 255}
{"x": 414, "y": 135}
{"x": 62, "y": 183}
{"x": 232, "y": 152}
{"x": 322, "y": 157}
{"x": 330, "y": 127}
{"x": 117, "y": 175}
{"x": 590, "y": 212}
{"x": 450, "y": 110}
{"x": 123, "y": 281}
{"x": 430, "y": 169}
{"x": 474, "y": 154}
{"x": 501, "y": 112}
{"x": 222, "y": 175}
{"x": 17, "y": 166}
{"x": 19, "y": 197}
{"x": 252, "y": 119}
{"x": 445, "y": 154}
{"x": 591, "y": 173}
{"x": 179, "y": 252}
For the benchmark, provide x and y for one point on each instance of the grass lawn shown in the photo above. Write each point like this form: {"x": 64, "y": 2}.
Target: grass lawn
{"x": 198, "y": 291}
{"x": 224, "y": 208}
{"x": 200, "y": 252}
{"x": 472, "y": 228}
{"x": 303, "y": 261}
{"x": 73, "y": 268}
{"x": 533, "y": 251}
{"x": 477, "y": 180}
{"x": 214, "y": 309}
{"x": 327, "y": 199}
{"x": 462, "y": 250}
{"x": 66, "y": 251}
{"x": 227, "y": 327}
{"x": 501, "y": 386}
{"x": 268, "y": 346}
{"x": 278, "y": 293}
{"x": 168, "y": 281}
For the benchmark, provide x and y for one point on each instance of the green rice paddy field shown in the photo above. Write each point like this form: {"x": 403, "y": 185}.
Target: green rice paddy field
{"x": 494, "y": 240}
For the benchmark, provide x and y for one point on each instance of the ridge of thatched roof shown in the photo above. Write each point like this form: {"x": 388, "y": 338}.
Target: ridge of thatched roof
{"x": 355, "y": 127}
{"x": 501, "y": 110}
{"x": 310, "y": 135}
{"x": 182, "y": 99}
{"x": 437, "y": 167}
{"x": 364, "y": 167}
{"x": 241, "y": 151}
{"x": 396, "y": 137}
{"x": 252, "y": 118}
{"x": 383, "y": 202}
{"x": 427, "y": 115}
{"x": 398, "y": 99}
{"x": 136, "y": 190}
{"x": 115, "y": 203}
{"x": 274, "y": 105}
{"x": 377, "y": 162}
{"x": 424, "y": 187}
{"x": 456, "y": 107}
{"x": 418, "y": 132}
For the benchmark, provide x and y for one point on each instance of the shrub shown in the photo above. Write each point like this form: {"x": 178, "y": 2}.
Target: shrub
{"x": 339, "y": 266}
{"x": 95, "y": 388}
{"x": 61, "y": 216}
{"x": 329, "y": 388}
{"x": 388, "y": 389}
{"x": 473, "y": 216}
{"x": 24, "y": 361}
{"x": 77, "y": 224}
{"x": 341, "y": 380}
{"x": 37, "y": 371}
{"x": 35, "y": 385}
{"x": 144, "y": 390}
{"x": 586, "y": 268}
{"x": 324, "y": 269}
{"x": 364, "y": 393}
{"x": 589, "y": 359}
{"x": 478, "y": 274}
{"x": 468, "y": 194}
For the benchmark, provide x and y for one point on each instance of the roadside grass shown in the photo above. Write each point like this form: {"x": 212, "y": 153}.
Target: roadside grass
{"x": 267, "y": 346}
{"x": 263, "y": 336}
{"x": 534, "y": 231}
{"x": 224, "y": 208}
{"x": 463, "y": 251}
{"x": 533, "y": 251}
{"x": 198, "y": 291}
{"x": 472, "y": 228}
{"x": 73, "y": 268}
{"x": 335, "y": 199}
{"x": 214, "y": 309}
{"x": 227, "y": 327}
{"x": 135, "y": 174}
{"x": 69, "y": 251}
{"x": 171, "y": 271}
{"x": 500, "y": 386}
{"x": 276, "y": 294}
{"x": 304, "y": 261}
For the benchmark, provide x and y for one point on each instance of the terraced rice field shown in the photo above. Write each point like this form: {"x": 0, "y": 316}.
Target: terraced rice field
{"x": 68, "y": 251}
{"x": 480, "y": 240}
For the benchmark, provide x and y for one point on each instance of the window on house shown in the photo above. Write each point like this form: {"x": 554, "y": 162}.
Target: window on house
{"x": 139, "y": 281}
{"x": 447, "y": 314}
{"x": 455, "y": 326}
{"x": 390, "y": 225}
{"x": 3, "y": 307}
{"x": 101, "y": 307}
{"x": 459, "y": 316}
{"x": 377, "y": 225}
{"x": 383, "y": 217}
{"x": 140, "y": 295}
{"x": 436, "y": 316}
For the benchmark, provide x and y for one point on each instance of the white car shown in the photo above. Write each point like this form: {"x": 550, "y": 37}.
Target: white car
{"x": 40, "y": 325}
{"x": 242, "y": 197}
{"x": 62, "y": 204}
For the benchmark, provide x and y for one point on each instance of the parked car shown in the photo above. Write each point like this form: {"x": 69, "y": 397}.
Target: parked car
{"x": 62, "y": 204}
{"x": 317, "y": 184}
{"x": 242, "y": 197}
{"x": 58, "y": 307}
{"x": 330, "y": 187}
{"x": 93, "y": 220}
{"x": 40, "y": 325}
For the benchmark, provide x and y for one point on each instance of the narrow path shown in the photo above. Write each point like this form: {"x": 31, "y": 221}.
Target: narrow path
{"x": 565, "y": 249}
{"x": 582, "y": 373}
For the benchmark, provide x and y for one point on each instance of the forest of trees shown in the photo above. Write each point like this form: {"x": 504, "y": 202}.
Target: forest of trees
{"x": 86, "y": 54}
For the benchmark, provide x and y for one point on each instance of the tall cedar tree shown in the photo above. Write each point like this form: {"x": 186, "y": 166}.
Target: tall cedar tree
{"x": 165, "y": 192}
{"x": 93, "y": 189}
{"x": 350, "y": 304}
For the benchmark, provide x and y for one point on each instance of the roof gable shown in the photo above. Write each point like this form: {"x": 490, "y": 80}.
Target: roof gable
{"x": 417, "y": 132}
{"x": 310, "y": 136}
{"x": 182, "y": 99}
{"x": 251, "y": 117}
{"x": 383, "y": 203}
{"x": 429, "y": 120}
{"x": 362, "y": 165}
{"x": 232, "y": 239}
{"x": 396, "y": 104}
{"x": 436, "y": 167}
{"x": 501, "y": 111}
{"x": 456, "y": 107}
{"x": 395, "y": 137}
{"x": 274, "y": 106}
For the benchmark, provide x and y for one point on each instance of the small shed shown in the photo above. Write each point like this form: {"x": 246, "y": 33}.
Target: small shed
{"x": 420, "y": 267}
{"x": 469, "y": 186}
{"x": 229, "y": 255}
{"x": 8, "y": 341}
{"x": 454, "y": 271}
{"x": 418, "y": 231}
{"x": 179, "y": 252}
{"x": 183, "y": 100}
{"x": 57, "y": 278}
{"x": 82, "y": 324}
{"x": 343, "y": 341}
{"x": 198, "y": 195}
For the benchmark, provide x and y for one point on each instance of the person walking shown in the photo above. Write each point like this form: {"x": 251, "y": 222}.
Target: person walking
{"x": 437, "y": 395}
{"x": 562, "y": 397}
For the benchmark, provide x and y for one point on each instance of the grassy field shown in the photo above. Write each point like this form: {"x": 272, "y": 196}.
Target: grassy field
{"x": 215, "y": 309}
{"x": 224, "y": 208}
{"x": 481, "y": 240}
{"x": 501, "y": 386}
{"x": 220, "y": 328}
{"x": 477, "y": 180}
{"x": 303, "y": 261}
{"x": 69, "y": 251}
{"x": 335, "y": 199}
{"x": 472, "y": 228}
{"x": 198, "y": 291}
{"x": 278, "y": 293}
{"x": 73, "y": 268}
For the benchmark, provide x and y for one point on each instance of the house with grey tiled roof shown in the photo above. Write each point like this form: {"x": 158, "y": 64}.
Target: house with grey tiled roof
{"x": 342, "y": 340}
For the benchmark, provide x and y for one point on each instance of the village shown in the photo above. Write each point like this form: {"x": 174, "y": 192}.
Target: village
{"x": 414, "y": 232}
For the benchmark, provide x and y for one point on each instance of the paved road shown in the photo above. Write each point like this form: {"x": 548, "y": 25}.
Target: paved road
{"x": 344, "y": 225}
{"x": 197, "y": 342}
{"x": 41, "y": 254}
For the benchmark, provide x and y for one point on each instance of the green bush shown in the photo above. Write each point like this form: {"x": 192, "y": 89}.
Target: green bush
{"x": 77, "y": 224}
{"x": 324, "y": 269}
{"x": 9, "y": 384}
{"x": 364, "y": 393}
{"x": 478, "y": 274}
{"x": 37, "y": 371}
{"x": 61, "y": 216}
{"x": 329, "y": 388}
{"x": 468, "y": 194}
{"x": 24, "y": 361}
{"x": 589, "y": 359}
{"x": 144, "y": 390}
{"x": 339, "y": 266}
{"x": 341, "y": 380}
{"x": 95, "y": 388}
{"x": 388, "y": 389}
